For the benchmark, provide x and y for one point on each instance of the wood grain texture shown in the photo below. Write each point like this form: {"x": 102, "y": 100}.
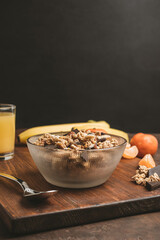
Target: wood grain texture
{"x": 118, "y": 197}
{"x": 127, "y": 228}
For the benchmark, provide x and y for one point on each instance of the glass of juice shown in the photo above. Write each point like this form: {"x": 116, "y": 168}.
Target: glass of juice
{"x": 7, "y": 131}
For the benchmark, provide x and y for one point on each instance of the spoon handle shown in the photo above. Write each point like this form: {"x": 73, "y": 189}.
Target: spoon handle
{"x": 22, "y": 183}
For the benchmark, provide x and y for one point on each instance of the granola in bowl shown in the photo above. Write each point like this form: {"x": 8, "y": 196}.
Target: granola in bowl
{"x": 78, "y": 140}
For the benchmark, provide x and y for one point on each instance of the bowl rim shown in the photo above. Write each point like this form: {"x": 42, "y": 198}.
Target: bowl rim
{"x": 80, "y": 150}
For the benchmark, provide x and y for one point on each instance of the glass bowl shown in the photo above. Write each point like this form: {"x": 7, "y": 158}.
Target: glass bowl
{"x": 76, "y": 169}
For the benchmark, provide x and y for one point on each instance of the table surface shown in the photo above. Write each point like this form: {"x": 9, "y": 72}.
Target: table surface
{"x": 139, "y": 227}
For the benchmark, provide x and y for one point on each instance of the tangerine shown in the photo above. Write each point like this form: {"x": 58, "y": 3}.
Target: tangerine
{"x": 147, "y": 161}
{"x": 146, "y": 143}
{"x": 130, "y": 152}
{"x": 94, "y": 130}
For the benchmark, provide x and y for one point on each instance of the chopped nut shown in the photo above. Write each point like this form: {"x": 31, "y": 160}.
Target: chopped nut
{"x": 141, "y": 176}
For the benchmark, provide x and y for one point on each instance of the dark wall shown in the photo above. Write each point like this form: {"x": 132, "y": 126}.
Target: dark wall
{"x": 70, "y": 61}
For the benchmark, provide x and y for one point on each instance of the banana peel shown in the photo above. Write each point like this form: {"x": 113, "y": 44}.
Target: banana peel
{"x": 22, "y": 137}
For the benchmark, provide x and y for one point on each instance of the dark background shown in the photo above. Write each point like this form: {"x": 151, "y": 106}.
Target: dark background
{"x": 70, "y": 61}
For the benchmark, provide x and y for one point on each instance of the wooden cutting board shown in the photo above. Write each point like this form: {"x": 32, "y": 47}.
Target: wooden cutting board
{"x": 118, "y": 197}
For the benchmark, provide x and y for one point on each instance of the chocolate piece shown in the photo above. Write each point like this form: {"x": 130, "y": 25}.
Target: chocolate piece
{"x": 101, "y": 139}
{"x": 154, "y": 170}
{"x": 75, "y": 130}
{"x": 152, "y": 185}
{"x": 102, "y": 133}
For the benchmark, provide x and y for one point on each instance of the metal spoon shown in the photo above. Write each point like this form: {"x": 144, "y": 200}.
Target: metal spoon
{"x": 27, "y": 191}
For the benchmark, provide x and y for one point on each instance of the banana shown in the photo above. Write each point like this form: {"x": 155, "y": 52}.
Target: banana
{"x": 22, "y": 137}
{"x": 118, "y": 132}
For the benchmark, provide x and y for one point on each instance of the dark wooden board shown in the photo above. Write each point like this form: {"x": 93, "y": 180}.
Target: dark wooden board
{"x": 118, "y": 197}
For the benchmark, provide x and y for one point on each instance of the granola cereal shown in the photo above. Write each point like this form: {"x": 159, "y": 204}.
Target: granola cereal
{"x": 78, "y": 140}
{"x": 141, "y": 176}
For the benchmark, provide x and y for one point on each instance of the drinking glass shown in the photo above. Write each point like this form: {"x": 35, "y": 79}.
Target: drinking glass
{"x": 7, "y": 131}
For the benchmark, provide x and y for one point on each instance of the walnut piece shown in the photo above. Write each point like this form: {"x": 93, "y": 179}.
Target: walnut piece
{"x": 141, "y": 176}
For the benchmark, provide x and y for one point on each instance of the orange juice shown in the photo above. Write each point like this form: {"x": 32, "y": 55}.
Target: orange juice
{"x": 7, "y": 132}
